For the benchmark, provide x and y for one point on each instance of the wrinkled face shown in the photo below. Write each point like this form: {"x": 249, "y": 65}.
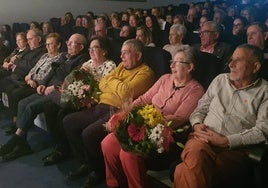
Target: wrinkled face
{"x": 21, "y": 42}
{"x": 241, "y": 66}
{"x": 95, "y": 51}
{"x": 33, "y": 40}
{"x": 52, "y": 45}
{"x": 124, "y": 32}
{"x": 175, "y": 37}
{"x": 74, "y": 45}
{"x": 255, "y": 36}
{"x": 130, "y": 57}
{"x": 208, "y": 35}
{"x": 179, "y": 66}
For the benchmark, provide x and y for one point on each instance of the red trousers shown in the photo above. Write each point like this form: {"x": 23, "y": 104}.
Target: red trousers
{"x": 204, "y": 166}
{"x": 123, "y": 169}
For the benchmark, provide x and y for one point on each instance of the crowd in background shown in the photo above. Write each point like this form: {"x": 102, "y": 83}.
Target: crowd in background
{"x": 36, "y": 58}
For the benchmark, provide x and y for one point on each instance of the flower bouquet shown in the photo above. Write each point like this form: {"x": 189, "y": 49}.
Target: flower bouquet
{"x": 80, "y": 88}
{"x": 142, "y": 131}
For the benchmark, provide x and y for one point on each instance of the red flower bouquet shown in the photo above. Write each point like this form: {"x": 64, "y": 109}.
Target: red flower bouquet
{"x": 141, "y": 131}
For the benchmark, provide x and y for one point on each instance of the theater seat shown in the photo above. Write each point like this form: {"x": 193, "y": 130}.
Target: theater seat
{"x": 158, "y": 59}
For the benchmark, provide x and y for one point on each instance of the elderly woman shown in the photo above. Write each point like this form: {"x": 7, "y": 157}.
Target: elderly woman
{"x": 99, "y": 65}
{"x": 85, "y": 129}
{"x": 35, "y": 75}
{"x": 176, "y": 35}
{"x": 144, "y": 34}
{"x": 176, "y": 96}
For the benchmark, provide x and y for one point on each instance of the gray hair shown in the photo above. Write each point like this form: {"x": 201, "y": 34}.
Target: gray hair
{"x": 180, "y": 29}
{"x": 134, "y": 44}
{"x": 191, "y": 53}
{"x": 216, "y": 27}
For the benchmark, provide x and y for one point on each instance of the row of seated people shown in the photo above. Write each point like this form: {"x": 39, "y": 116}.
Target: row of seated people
{"x": 63, "y": 124}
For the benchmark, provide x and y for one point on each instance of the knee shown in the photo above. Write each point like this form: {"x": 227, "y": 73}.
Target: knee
{"x": 108, "y": 144}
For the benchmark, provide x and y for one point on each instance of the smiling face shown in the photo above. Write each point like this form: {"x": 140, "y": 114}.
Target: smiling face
{"x": 242, "y": 67}
{"x": 180, "y": 68}
{"x": 255, "y": 36}
{"x": 97, "y": 54}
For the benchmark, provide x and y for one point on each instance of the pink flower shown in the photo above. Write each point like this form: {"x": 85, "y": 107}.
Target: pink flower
{"x": 115, "y": 120}
{"x": 136, "y": 133}
{"x": 80, "y": 93}
{"x": 86, "y": 87}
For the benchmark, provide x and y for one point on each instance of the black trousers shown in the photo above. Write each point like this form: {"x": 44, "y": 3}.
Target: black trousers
{"x": 15, "y": 94}
{"x": 85, "y": 131}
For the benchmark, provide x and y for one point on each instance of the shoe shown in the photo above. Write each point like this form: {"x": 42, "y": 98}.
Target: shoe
{"x": 54, "y": 158}
{"x": 11, "y": 130}
{"x": 82, "y": 171}
{"x": 9, "y": 146}
{"x": 21, "y": 149}
{"x": 93, "y": 179}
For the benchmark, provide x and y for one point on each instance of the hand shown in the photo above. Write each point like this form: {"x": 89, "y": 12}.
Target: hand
{"x": 27, "y": 77}
{"x": 5, "y": 65}
{"x": 205, "y": 134}
{"x": 12, "y": 59}
{"x": 41, "y": 89}
{"x": 49, "y": 90}
{"x": 32, "y": 83}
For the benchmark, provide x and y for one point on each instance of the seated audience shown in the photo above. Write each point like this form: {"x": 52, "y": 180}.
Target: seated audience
{"x": 22, "y": 66}
{"x": 19, "y": 52}
{"x": 176, "y": 95}
{"x": 230, "y": 120}
{"x": 99, "y": 65}
{"x": 30, "y": 107}
{"x": 34, "y": 77}
{"x": 144, "y": 35}
{"x": 176, "y": 34}
{"x": 209, "y": 35}
{"x": 239, "y": 35}
{"x": 85, "y": 129}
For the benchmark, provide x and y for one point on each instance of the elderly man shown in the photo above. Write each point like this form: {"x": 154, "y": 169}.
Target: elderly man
{"x": 209, "y": 35}
{"x": 85, "y": 129}
{"x": 256, "y": 36}
{"x": 230, "y": 119}
{"x": 30, "y": 107}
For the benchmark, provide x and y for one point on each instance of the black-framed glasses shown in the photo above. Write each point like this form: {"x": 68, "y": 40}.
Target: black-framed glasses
{"x": 178, "y": 62}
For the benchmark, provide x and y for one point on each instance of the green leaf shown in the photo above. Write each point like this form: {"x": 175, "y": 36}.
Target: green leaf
{"x": 179, "y": 130}
{"x": 180, "y": 144}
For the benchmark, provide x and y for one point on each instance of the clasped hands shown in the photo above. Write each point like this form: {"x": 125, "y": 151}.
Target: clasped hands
{"x": 205, "y": 134}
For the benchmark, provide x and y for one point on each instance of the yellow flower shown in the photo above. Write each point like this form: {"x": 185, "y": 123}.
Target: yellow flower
{"x": 151, "y": 115}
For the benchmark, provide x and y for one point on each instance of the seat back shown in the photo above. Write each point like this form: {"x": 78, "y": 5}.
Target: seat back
{"x": 207, "y": 69}
{"x": 158, "y": 59}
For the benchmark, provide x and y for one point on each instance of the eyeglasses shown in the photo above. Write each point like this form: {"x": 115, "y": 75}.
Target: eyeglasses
{"x": 206, "y": 32}
{"x": 71, "y": 43}
{"x": 178, "y": 62}
{"x": 94, "y": 48}
{"x": 48, "y": 44}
